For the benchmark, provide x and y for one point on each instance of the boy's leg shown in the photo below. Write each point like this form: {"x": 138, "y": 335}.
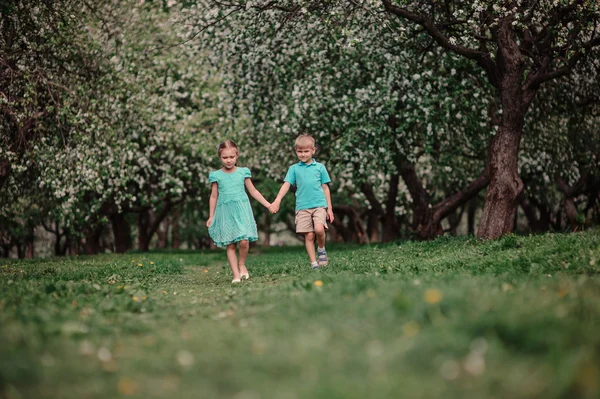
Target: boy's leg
{"x": 304, "y": 225}
{"x": 309, "y": 242}
{"x": 320, "y": 223}
{"x": 232, "y": 258}
{"x": 244, "y": 246}
{"x": 320, "y": 233}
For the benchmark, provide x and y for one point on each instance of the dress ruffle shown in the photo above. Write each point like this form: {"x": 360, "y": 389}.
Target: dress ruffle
{"x": 233, "y": 222}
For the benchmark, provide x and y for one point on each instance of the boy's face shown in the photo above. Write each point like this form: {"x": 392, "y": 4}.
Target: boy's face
{"x": 305, "y": 154}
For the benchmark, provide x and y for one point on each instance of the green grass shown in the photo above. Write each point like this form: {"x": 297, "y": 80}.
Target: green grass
{"x": 453, "y": 318}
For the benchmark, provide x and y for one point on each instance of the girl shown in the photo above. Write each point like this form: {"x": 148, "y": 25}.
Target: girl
{"x": 230, "y": 216}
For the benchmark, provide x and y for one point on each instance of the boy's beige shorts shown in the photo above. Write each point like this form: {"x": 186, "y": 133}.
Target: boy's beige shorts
{"x": 307, "y": 218}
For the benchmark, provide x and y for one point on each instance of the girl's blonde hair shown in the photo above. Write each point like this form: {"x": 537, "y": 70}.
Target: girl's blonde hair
{"x": 227, "y": 144}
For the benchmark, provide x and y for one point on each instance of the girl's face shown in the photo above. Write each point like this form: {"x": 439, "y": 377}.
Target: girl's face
{"x": 229, "y": 158}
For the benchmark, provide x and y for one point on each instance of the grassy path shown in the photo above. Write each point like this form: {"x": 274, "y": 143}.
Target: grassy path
{"x": 514, "y": 318}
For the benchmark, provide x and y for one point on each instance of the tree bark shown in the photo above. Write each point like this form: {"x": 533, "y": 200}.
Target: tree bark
{"x": 148, "y": 223}
{"x": 5, "y": 169}
{"x": 454, "y": 219}
{"x": 354, "y": 231}
{"x": 372, "y": 226}
{"x": 121, "y": 233}
{"x": 531, "y": 208}
{"x": 427, "y": 219}
{"x": 162, "y": 234}
{"x": 175, "y": 233}
{"x": 29, "y": 240}
{"x": 569, "y": 194}
{"x": 471, "y": 211}
{"x": 92, "y": 240}
{"x": 387, "y": 217}
{"x": 502, "y": 197}
{"x": 143, "y": 235}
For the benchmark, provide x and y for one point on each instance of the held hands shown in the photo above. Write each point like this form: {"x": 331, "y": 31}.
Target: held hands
{"x": 209, "y": 222}
{"x": 274, "y": 208}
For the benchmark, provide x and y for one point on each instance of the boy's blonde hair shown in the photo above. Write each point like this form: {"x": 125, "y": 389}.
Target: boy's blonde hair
{"x": 305, "y": 140}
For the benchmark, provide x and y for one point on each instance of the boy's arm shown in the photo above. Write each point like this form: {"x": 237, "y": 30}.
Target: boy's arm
{"x": 212, "y": 203}
{"x": 285, "y": 187}
{"x": 329, "y": 205}
{"x": 256, "y": 194}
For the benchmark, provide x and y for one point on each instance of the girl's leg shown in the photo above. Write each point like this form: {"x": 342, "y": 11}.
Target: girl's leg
{"x": 244, "y": 246}
{"x": 232, "y": 258}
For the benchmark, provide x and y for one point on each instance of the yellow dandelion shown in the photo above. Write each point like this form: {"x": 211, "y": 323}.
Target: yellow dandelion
{"x": 433, "y": 296}
{"x": 318, "y": 283}
{"x": 135, "y": 298}
{"x": 164, "y": 292}
{"x": 151, "y": 263}
{"x": 205, "y": 270}
{"x": 139, "y": 264}
{"x": 126, "y": 386}
{"x": 132, "y": 260}
{"x": 411, "y": 328}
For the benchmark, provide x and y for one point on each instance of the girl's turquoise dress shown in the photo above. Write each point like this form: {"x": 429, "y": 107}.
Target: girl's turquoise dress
{"x": 233, "y": 220}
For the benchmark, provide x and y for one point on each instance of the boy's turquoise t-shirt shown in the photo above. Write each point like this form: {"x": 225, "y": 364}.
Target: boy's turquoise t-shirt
{"x": 308, "y": 179}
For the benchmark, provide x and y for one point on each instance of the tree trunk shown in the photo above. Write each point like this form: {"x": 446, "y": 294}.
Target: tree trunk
{"x": 372, "y": 226}
{"x": 502, "y": 197}
{"x": 569, "y": 194}
{"x": 148, "y": 223}
{"x": 471, "y": 211}
{"x": 20, "y": 251}
{"x": 571, "y": 212}
{"x": 354, "y": 231}
{"x": 175, "y": 233}
{"x": 121, "y": 233}
{"x": 422, "y": 224}
{"x": 57, "y": 246}
{"x": 143, "y": 236}
{"x": 5, "y": 169}
{"x": 29, "y": 240}
{"x": 531, "y": 208}
{"x": 162, "y": 233}
{"x": 92, "y": 240}
{"x": 454, "y": 219}
{"x": 505, "y": 187}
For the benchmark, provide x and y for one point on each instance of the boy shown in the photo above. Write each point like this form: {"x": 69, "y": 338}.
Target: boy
{"x": 313, "y": 199}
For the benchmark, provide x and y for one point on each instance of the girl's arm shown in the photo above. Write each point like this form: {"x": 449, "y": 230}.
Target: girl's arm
{"x": 255, "y": 193}
{"x": 328, "y": 198}
{"x": 212, "y": 202}
{"x": 285, "y": 187}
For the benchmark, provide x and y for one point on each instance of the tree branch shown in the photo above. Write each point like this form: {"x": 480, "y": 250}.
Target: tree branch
{"x": 483, "y": 59}
{"x": 537, "y": 79}
{"x": 443, "y": 208}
